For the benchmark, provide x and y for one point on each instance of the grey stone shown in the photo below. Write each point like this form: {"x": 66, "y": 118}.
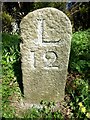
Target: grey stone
{"x": 45, "y": 48}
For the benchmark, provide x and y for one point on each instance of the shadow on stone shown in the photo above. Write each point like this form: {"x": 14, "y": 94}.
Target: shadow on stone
{"x": 18, "y": 74}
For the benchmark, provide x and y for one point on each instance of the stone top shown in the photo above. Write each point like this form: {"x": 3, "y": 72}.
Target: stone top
{"x": 55, "y": 26}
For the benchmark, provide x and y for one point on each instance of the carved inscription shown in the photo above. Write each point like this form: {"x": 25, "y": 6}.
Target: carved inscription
{"x": 33, "y": 59}
{"x": 49, "y": 60}
{"x": 40, "y": 31}
{"x": 49, "y": 57}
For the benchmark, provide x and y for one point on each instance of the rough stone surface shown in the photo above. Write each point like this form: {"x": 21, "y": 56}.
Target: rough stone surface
{"x": 45, "y": 49}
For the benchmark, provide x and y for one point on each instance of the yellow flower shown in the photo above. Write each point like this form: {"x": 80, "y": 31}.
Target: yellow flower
{"x": 88, "y": 115}
{"x": 80, "y": 104}
{"x": 83, "y": 109}
{"x": 86, "y": 86}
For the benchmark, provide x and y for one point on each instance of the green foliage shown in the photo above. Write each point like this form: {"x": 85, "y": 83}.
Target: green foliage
{"x": 10, "y": 49}
{"x": 80, "y": 52}
{"x": 6, "y": 22}
{"x": 79, "y": 15}
{"x": 80, "y": 101}
{"x": 58, "y": 5}
{"x": 45, "y": 112}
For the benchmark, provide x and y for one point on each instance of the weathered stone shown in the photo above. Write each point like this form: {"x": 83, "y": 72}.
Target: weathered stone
{"x": 45, "y": 48}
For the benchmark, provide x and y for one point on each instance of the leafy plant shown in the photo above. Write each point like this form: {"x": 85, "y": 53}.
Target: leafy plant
{"x": 10, "y": 56}
{"x": 79, "y": 99}
{"x": 80, "y": 52}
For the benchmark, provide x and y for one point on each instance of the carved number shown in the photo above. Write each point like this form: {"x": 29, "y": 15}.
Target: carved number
{"x": 49, "y": 59}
